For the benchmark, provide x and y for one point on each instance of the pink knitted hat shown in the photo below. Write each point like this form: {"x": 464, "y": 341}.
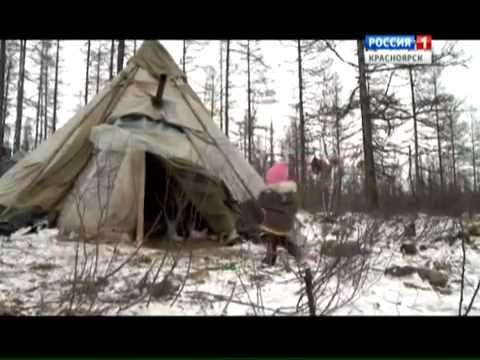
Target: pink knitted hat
{"x": 277, "y": 173}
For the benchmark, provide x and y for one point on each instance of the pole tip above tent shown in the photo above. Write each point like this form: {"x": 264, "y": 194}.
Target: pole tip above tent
{"x": 154, "y": 58}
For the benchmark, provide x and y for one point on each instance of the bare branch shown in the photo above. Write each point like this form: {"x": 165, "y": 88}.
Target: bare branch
{"x": 332, "y": 48}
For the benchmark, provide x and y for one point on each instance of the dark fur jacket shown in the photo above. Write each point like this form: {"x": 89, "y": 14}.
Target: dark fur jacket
{"x": 279, "y": 203}
{"x": 273, "y": 211}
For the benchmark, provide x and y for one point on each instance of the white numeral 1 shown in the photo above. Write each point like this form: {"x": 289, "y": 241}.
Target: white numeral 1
{"x": 424, "y": 40}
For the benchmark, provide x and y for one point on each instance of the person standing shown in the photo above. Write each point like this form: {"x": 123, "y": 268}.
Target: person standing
{"x": 279, "y": 203}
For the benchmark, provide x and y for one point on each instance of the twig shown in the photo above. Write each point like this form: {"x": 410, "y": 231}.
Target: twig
{"x": 248, "y": 295}
{"x": 463, "y": 277}
{"x": 224, "y": 311}
{"x": 333, "y": 297}
{"x": 127, "y": 260}
{"x": 165, "y": 277}
{"x": 142, "y": 297}
{"x": 309, "y": 287}
{"x": 329, "y": 46}
{"x": 184, "y": 279}
{"x": 75, "y": 274}
{"x": 145, "y": 281}
{"x": 225, "y": 298}
{"x": 112, "y": 258}
{"x": 473, "y": 299}
{"x": 328, "y": 280}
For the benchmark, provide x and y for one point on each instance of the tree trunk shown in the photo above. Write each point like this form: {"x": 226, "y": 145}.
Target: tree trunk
{"x": 415, "y": 133}
{"x": 452, "y": 140}
{"x": 221, "y": 85}
{"x": 112, "y": 53}
{"x": 474, "y": 160}
{"x": 245, "y": 136}
{"x": 120, "y": 55}
{"x": 212, "y": 99}
{"x": 21, "y": 80}
{"x": 37, "y": 118}
{"x": 55, "y": 90}
{"x": 339, "y": 171}
{"x": 206, "y": 90}
{"x": 301, "y": 125}
{"x": 184, "y": 57}
{"x": 42, "y": 115}
{"x": 249, "y": 114}
{"x": 337, "y": 130}
{"x": 295, "y": 138}
{"x": 99, "y": 60}
{"x": 87, "y": 76}
{"x": 26, "y": 141}
{"x": 5, "y": 102}
{"x": 134, "y": 47}
{"x": 369, "y": 162}
{"x": 272, "y": 150}
{"x": 412, "y": 186}
{"x": 3, "y": 60}
{"x": 439, "y": 142}
{"x": 227, "y": 71}
{"x": 45, "y": 121}
{"x": 40, "y": 93}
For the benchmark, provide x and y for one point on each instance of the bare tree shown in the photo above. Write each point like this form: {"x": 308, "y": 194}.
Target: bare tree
{"x": 303, "y": 173}
{"x": 249, "y": 103}
{"x": 221, "y": 85}
{"x": 415, "y": 131}
{"x": 272, "y": 149}
{"x": 3, "y": 63}
{"x": 189, "y": 47}
{"x": 55, "y": 90}
{"x": 474, "y": 159}
{"x": 112, "y": 53}
{"x": 20, "y": 93}
{"x": 87, "y": 77}
{"x": 227, "y": 85}
{"x": 257, "y": 89}
{"x": 210, "y": 88}
{"x": 47, "y": 62}
{"x": 99, "y": 61}
{"x": 27, "y": 137}
{"x": 40, "y": 98}
{"x": 369, "y": 163}
{"x": 450, "y": 117}
{"x": 6, "y": 102}
{"x": 335, "y": 131}
{"x": 437, "y": 125}
{"x": 120, "y": 55}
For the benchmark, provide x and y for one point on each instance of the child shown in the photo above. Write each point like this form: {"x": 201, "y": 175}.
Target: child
{"x": 271, "y": 217}
{"x": 279, "y": 203}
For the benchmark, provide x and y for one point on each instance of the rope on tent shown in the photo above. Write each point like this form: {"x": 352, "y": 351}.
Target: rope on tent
{"x": 215, "y": 141}
{"x": 120, "y": 89}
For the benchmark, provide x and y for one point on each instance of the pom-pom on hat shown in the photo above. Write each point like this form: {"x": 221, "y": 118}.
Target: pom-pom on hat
{"x": 277, "y": 173}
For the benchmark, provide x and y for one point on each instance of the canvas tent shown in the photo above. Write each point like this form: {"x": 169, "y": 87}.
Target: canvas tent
{"x": 110, "y": 163}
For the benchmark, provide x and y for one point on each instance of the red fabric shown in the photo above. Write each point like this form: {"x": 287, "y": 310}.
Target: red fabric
{"x": 277, "y": 173}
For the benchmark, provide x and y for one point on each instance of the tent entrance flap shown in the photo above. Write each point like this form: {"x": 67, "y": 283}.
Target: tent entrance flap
{"x": 168, "y": 210}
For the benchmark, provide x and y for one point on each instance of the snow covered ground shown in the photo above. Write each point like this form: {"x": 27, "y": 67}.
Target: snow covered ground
{"x": 37, "y": 272}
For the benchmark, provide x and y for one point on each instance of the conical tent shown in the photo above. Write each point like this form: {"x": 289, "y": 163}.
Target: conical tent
{"x": 112, "y": 161}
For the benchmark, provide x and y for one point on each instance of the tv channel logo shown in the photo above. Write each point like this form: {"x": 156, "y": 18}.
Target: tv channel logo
{"x": 398, "y": 49}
